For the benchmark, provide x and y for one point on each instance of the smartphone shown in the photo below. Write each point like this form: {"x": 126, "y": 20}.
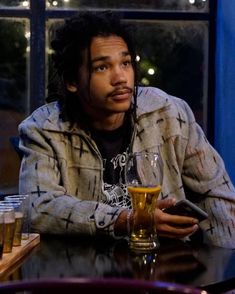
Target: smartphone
{"x": 187, "y": 208}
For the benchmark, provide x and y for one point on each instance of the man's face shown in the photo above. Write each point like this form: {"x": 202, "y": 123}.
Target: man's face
{"x": 111, "y": 84}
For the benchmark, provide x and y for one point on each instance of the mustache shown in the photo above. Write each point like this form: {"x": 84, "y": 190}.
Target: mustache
{"x": 118, "y": 90}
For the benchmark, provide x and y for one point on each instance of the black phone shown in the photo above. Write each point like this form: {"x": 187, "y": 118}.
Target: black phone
{"x": 187, "y": 208}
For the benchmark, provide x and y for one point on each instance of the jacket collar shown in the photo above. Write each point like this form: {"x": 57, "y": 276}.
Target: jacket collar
{"x": 151, "y": 99}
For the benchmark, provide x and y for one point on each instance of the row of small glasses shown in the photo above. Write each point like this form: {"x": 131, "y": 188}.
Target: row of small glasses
{"x": 14, "y": 221}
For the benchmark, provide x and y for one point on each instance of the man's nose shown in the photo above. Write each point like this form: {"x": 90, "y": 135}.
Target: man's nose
{"x": 118, "y": 76}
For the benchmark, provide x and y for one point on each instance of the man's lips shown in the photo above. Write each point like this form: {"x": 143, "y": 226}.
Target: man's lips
{"x": 121, "y": 93}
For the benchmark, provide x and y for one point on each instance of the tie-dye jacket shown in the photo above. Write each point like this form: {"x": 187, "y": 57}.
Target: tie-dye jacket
{"x": 62, "y": 169}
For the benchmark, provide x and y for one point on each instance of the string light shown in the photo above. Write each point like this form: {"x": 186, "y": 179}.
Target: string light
{"x": 27, "y": 35}
{"x": 151, "y": 71}
{"x": 194, "y": 1}
{"x": 25, "y": 3}
{"x": 49, "y": 51}
{"x": 145, "y": 81}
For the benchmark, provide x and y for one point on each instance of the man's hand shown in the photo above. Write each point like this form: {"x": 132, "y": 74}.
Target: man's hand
{"x": 173, "y": 226}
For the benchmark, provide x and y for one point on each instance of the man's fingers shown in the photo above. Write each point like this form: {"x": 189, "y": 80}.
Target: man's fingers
{"x": 165, "y": 230}
{"x": 174, "y": 226}
{"x": 174, "y": 220}
{"x": 166, "y": 203}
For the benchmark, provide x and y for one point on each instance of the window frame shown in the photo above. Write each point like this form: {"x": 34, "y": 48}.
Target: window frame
{"x": 38, "y": 15}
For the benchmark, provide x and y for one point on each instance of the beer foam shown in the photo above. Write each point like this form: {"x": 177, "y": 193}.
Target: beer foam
{"x": 18, "y": 214}
{"x": 8, "y": 220}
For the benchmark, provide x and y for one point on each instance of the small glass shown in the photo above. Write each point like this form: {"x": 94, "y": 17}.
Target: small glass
{"x": 1, "y": 232}
{"x": 27, "y": 212}
{"x": 19, "y": 215}
{"x": 9, "y": 227}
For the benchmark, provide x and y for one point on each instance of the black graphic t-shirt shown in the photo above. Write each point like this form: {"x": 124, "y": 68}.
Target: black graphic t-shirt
{"x": 113, "y": 146}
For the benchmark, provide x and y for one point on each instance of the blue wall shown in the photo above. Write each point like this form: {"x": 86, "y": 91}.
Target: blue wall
{"x": 225, "y": 85}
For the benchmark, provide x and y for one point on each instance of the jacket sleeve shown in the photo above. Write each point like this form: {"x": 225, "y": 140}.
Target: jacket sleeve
{"x": 204, "y": 173}
{"x": 52, "y": 210}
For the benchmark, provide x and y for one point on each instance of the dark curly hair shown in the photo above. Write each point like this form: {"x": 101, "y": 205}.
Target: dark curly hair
{"x": 69, "y": 42}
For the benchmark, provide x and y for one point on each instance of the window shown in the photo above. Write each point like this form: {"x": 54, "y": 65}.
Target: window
{"x": 13, "y": 94}
{"x": 175, "y": 49}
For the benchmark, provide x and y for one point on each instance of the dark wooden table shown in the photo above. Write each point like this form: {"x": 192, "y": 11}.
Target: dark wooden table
{"x": 211, "y": 268}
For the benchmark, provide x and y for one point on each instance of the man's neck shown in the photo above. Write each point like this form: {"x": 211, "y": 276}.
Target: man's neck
{"x": 109, "y": 123}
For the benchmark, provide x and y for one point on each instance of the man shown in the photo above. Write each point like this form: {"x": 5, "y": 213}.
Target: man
{"x": 75, "y": 149}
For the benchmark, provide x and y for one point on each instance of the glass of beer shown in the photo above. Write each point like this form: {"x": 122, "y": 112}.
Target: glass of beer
{"x": 9, "y": 227}
{"x": 143, "y": 176}
{"x": 24, "y": 198}
{"x": 19, "y": 215}
{"x": 1, "y": 232}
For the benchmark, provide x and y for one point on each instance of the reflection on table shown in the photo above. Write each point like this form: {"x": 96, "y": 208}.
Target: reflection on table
{"x": 175, "y": 261}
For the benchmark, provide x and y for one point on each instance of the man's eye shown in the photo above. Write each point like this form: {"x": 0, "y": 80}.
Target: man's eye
{"x": 100, "y": 68}
{"x": 127, "y": 63}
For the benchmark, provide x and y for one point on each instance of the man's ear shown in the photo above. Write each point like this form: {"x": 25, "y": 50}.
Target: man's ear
{"x": 71, "y": 87}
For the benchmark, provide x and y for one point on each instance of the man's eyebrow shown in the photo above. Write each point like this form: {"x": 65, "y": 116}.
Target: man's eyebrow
{"x": 105, "y": 58}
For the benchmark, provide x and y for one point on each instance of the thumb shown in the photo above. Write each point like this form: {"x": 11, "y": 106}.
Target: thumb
{"x": 165, "y": 203}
